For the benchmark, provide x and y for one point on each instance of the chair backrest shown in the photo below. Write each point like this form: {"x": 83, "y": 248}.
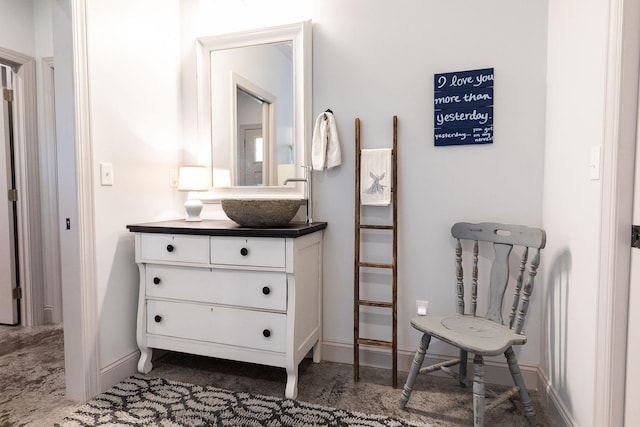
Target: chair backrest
{"x": 504, "y": 237}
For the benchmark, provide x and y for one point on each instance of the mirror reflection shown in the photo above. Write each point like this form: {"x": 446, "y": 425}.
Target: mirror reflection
{"x": 252, "y": 113}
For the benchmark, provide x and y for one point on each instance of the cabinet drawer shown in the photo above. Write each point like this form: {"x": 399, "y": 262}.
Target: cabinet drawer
{"x": 259, "y": 251}
{"x": 172, "y": 247}
{"x": 222, "y": 325}
{"x": 258, "y": 289}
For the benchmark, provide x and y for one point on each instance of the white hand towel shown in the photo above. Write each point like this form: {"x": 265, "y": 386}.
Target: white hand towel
{"x": 375, "y": 177}
{"x": 325, "y": 147}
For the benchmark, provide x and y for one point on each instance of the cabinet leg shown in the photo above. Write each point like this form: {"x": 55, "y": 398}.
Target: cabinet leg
{"x": 144, "y": 364}
{"x": 291, "y": 391}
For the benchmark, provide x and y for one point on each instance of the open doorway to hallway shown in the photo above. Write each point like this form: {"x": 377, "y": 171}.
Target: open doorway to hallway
{"x": 30, "y": 284}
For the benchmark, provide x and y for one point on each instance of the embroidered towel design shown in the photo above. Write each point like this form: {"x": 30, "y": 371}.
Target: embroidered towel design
{"x": 325, "y": 145}
{"x": 375, "y": 174}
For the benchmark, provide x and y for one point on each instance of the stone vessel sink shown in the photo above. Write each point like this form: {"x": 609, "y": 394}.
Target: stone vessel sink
{"x": 261, "y": 213}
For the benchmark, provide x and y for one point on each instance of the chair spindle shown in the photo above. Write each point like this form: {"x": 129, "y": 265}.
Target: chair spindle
{"x": 474, "y": 284}
{"x": 460, "y": 278}
{"x": 528, "y": 289}
{"x": 516, "y": 293}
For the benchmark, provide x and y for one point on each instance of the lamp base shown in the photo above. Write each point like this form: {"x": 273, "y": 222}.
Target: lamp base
{"x": 193, "y": 207}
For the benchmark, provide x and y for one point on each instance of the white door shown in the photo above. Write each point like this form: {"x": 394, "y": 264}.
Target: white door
{"x": 8, "y": 278}
{"x": 632, "y": 393}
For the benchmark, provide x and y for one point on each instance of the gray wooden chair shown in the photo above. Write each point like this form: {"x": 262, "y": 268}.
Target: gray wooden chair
{"x": 486, "y": 335}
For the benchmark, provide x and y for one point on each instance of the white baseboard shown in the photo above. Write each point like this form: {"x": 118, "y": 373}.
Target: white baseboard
{"x": 495, "y": 372}
{"x": 122, "y": 368}
{"x": 558, "y": 413}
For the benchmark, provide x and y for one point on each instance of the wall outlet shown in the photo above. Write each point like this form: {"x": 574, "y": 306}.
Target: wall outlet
{"x": 422, "y": 307}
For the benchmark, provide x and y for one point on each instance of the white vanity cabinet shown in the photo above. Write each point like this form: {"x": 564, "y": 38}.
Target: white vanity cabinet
{"x": 215, "y": 289}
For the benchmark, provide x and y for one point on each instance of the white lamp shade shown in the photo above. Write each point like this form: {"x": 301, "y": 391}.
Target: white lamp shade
{"x": 193, "y": 178}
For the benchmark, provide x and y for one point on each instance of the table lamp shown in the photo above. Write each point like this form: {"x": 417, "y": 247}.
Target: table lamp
{"x": 193, "y": 179}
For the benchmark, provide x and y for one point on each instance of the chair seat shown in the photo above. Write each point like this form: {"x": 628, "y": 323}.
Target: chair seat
{"x": 474, "y": 334}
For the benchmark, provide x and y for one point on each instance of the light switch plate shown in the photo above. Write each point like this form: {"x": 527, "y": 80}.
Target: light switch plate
{"x": 106, "y": 174}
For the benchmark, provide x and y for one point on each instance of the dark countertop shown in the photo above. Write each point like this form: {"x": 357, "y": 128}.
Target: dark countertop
{"x": 226, "y": 228}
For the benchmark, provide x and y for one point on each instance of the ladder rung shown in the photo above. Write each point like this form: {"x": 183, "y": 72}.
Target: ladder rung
{"x": 376, "y": 343}
{"x": 376, "y": 227}
{"x": 375, "y": 265}
{"x": 383, "y": 304}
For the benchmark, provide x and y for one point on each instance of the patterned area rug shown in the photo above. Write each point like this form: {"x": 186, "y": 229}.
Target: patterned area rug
{"x": 158, "y": 402}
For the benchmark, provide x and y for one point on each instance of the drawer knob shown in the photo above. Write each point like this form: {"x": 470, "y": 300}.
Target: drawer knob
{"x": 156, "y": 280}
{"x": 244, "y": 251}
{"x": 266, "y": 290}
{"x": 157, "y": 318}
{"x": 170, "y": 248}
{"x": 266, "y": 333}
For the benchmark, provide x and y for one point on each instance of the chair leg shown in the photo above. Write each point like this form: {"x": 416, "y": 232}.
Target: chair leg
{"x": 462, "y": 369}
{"x": 415, "y": 369}
{"x": 478, "y": 391}
{"x": 529, "y": 411}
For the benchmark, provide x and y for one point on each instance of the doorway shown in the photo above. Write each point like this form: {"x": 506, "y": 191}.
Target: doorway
{"x": 253, "y": 118}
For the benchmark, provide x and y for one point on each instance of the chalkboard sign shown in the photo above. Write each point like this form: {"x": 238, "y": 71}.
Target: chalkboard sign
{"x": 463, "y": 107}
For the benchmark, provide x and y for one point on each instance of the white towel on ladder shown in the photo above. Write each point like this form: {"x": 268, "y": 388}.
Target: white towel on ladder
{"x": 325, "y": 147}
{"x": 375, "y": 177}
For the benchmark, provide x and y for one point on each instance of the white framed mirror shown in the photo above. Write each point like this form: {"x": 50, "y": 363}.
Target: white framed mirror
{"x": 254, "y": 110}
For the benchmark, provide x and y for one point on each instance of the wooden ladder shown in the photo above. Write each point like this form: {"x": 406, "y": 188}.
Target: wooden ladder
{"x": 358, "y": 263}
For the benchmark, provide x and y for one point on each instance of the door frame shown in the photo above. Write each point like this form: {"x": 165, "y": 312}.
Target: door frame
{"x": 27, "y": 185}
{"x": 78, "y": 268}
{"x": 52, "y": 299}
{"x": 620, "y": 117}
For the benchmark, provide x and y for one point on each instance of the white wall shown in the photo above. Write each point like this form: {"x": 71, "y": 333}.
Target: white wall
{"x": 573, "y": 127}
{"x": 16, "y": 26}
{"x": 43, "y": 31}
{"x": 133, "y": 52}
{"x": 376, "y": 59}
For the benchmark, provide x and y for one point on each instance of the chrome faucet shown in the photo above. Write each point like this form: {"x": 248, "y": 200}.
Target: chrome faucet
{"x": 308, "y": 192}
